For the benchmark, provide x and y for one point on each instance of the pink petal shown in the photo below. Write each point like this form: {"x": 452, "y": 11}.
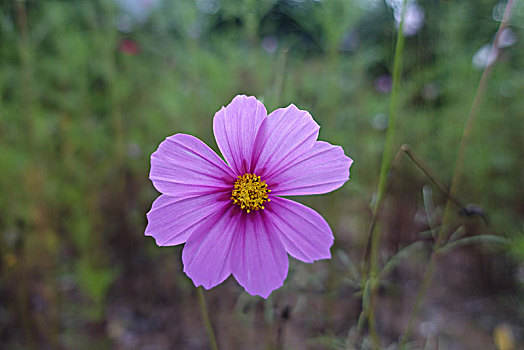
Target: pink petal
{"x": 206, "y": 255}
{"x": 322, "y": 169}
{"x": 172, "y": 220}
{"x": 303, "y": 232}
{"x": 258, "y": 259}
{"x": 183, "y": 165}
{"x": 283, "y": 136}
{"x": 235, "y": 128}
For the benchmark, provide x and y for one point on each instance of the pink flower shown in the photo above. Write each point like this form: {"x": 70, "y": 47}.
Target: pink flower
{"x": 231, "y": 216}
{"x": 129, "y": 47}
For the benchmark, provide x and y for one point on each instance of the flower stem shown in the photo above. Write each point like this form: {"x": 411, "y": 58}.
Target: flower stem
{"x": 393, "y": 106}
{"x": 389, "y": 147}
{"x": 25, "y": 52}
{"x": 481, "y": 89}
{"x": 205, "y": 318}
{"x": 457, "y": 175}
{"x": 280, "y": 77}
{"x": 426, "y": 281}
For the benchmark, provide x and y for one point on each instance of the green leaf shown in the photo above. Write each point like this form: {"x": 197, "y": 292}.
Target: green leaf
{"x": 348, "y": 263}
{"x": 399, "y": 256}
{"x": 474, "y": 240}
{"x": 429, "y": 207}
{"x": 93, "y": 281}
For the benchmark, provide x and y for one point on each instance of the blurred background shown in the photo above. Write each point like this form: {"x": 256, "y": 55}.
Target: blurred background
{"x": 88, "y": 89}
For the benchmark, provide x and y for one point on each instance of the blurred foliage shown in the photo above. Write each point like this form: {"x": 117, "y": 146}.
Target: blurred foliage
{"x": 88, "y": 89}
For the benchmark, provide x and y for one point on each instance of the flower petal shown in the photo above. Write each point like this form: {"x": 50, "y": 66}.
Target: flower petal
{"x": 258, "y": 259}
{"x": 303, "y": 232}
{"x": 172, "y": 220}
{"x": 283, "y": 136}
{"x": 206, "y": 255}
{"x": 235, "y": 128}
{"x": 183, "y": 165}
{"x": 322, "y": 169}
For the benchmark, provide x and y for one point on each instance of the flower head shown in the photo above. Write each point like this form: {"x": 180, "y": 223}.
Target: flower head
{"x": 231, "y": 215}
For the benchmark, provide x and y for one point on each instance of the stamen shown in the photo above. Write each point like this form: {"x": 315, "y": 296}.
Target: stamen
{"x": 250, "y": 192}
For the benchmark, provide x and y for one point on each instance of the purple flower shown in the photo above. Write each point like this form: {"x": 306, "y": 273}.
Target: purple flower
{"x": 231, "y": 216}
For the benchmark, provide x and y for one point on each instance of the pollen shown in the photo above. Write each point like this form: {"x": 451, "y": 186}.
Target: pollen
{"x": 250, "y": 193}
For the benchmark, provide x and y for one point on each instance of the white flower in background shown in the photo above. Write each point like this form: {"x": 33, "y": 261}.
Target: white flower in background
{"x": 139, "y": 10}
{"x": 485, "y": 56}
{"x": 413, "y": 18}
{"x": 133, "y": 11}
{"x": 507, "y": 38}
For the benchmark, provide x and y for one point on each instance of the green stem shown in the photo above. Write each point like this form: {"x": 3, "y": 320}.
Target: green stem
{"x": 426, "y": 281}
{"x": 205, "y": 318}
{"x": 464, "y": 141}
{"x": 280, "y": 76}
{"x": 425, "y": 169}
{"x": 457, "y": 175}
{"x": 21, "y": 285}
{"x": 389, "y": 142}
{"x": 387, "y": 155}
{"x": 392, "y": 120}
{"x": 26, "y": 59}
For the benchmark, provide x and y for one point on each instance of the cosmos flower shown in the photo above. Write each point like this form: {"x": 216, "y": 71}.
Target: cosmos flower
{"x": 231, "y": 216}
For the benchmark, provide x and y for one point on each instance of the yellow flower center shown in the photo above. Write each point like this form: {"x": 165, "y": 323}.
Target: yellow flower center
{"x": 250, "y": 193}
